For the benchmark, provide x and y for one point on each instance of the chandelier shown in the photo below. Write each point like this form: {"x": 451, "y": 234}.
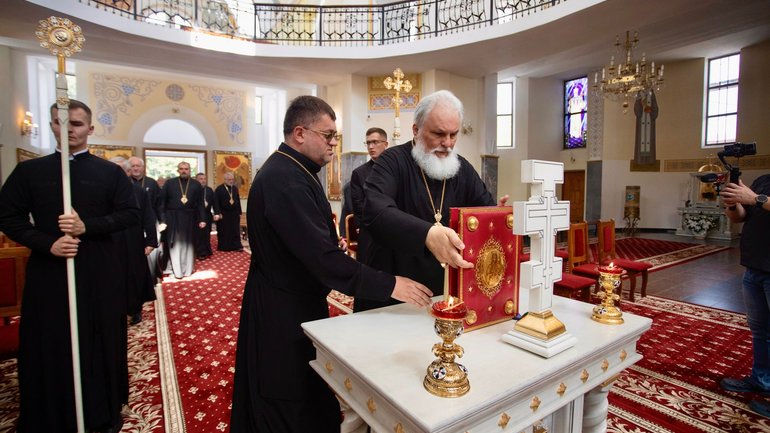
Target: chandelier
{"x": 629, "y": 80}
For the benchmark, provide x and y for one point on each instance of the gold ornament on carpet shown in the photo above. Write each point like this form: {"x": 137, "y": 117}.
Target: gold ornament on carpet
{"x": 607, "y": 312}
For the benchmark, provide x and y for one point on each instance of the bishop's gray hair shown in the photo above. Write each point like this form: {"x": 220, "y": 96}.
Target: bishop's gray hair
{"x": 442, "y": 97}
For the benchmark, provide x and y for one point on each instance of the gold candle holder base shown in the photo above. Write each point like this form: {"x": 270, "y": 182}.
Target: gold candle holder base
{"x": 445, "y": 377}
{"x": 607, "y": 312}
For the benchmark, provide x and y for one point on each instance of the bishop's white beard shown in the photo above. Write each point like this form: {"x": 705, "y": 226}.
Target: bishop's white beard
{"x": 435, "y": 167}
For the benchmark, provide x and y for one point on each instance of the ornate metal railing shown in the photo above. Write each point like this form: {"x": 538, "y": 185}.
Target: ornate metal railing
{"x": 326, "y": 25}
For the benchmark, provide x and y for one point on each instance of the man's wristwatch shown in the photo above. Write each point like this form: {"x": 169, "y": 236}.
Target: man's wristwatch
{"x": 760, "y": 200}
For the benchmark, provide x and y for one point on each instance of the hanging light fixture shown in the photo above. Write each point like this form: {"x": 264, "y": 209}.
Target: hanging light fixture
{"x": 629, "y": 80}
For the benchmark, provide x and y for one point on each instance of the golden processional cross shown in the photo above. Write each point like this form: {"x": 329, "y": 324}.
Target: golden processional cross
{"x": 64, "y": 38}
{"x": 399, "y": 85}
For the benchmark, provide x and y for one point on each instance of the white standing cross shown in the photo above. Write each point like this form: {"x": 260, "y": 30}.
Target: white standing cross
{"x": 540, "y": 217}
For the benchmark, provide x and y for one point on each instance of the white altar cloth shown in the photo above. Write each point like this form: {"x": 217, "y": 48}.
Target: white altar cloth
{"x": 376, "y": 361}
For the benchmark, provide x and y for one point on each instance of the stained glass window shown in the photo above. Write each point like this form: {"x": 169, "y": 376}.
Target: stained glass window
{"x": 722, "y": 100}
{"x": 575, "y": 112}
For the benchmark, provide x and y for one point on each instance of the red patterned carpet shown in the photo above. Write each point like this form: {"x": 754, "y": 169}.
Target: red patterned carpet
{"x": 182, "y": 363}
{"x": 660, "y": 253}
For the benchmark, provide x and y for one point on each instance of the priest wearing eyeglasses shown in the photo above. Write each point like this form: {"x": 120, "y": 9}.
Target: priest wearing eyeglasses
{"x": 295, "y": 263}
{"x": 376, "y": 142}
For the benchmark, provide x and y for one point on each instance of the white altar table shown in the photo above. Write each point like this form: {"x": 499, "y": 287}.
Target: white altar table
{"x": 376, "y": 362}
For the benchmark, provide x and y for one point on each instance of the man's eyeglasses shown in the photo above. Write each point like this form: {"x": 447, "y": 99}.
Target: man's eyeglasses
{"x": 373, "y": 142}
{"x": 328, "y": 136}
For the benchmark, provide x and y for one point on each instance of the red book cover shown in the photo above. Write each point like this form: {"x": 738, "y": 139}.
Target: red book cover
{"x": 490, "y": 289}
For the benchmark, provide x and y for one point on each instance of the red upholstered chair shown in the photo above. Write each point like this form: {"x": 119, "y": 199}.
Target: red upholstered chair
{"x": 571, "y": 285}
{"x": 607, "y": 254}
{"x": 13, "y": 262}
{"x": 351, "y": 229}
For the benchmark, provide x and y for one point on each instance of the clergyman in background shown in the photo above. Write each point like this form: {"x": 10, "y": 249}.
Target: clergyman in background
{"x": 211, "y": 212}
{"x": 229, "y": 224}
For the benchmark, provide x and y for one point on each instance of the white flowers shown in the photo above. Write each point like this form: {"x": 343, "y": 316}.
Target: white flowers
{"x": 700, "y": 223}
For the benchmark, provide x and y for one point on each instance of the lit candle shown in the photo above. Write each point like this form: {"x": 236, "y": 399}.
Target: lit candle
{"x": 611, "y": 269}
{"x": 661, "y": 71}
{"x": 446, "y": 281}
{"x": 602, "y": 74}
{"x": 397, "y": 123}
{"x": 596, "y": 77}
{"x": 452, "y": 309}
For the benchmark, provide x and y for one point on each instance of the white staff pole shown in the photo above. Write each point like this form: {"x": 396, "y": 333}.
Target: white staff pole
{"x": 63, "y": 38}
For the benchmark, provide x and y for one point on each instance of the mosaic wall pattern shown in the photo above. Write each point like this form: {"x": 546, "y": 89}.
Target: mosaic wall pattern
{"x": 116, "y": 96}
{"x": 227, "y": 105}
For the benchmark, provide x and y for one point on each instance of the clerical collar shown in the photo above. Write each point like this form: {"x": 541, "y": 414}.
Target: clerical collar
{"x": 302, "y": 159}
{"x": 73, "y": 155}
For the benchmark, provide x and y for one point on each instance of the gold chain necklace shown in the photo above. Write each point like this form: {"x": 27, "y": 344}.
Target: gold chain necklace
{"x": 437, "y": 213}
{"x": 184, "y": 191}
{"x": 230, "y": 193}
{"x": 303, "y": 167}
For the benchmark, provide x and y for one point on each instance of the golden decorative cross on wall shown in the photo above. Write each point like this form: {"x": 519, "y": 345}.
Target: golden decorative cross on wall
{"x": 399, "y": 85}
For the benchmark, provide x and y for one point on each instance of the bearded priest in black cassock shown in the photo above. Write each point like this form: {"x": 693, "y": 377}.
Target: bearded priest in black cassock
{"x": 413, "y": 185}
{"x": 182, "y": 215}
{"x": 295, "y": 261}
{"x": 103, "y": 203}
{"x": 229, "y": 224}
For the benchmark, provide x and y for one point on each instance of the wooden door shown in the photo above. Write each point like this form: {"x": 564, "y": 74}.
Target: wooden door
{"x": 574, "y": 190}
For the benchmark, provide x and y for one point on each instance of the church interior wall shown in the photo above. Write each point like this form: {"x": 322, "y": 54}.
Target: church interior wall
{"x": 753, "y": 96}
{"x": 8, "y": 115}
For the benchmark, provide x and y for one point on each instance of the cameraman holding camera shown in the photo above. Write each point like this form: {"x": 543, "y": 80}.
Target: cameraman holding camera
{"x": 750, "y": 206}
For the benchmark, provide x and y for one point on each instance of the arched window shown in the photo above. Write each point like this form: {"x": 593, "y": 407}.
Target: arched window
{"x": 174, "y": 131}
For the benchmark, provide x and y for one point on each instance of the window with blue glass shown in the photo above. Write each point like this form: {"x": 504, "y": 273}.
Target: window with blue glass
{"x": 575, "y": 112}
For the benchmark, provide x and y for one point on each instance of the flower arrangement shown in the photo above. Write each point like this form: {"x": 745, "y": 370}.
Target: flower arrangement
{"x": 700, "y": 223}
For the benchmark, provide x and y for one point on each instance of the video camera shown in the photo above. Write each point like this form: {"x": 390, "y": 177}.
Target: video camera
{"x": 737, "y": 150}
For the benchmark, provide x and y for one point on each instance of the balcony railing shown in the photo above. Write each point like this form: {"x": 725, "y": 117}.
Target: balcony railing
{"x": 337, "y": 26}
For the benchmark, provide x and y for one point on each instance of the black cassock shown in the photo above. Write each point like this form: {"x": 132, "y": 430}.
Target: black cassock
{"x": 398, "y": 214}
{"x": 182, "y": 222}
{"x": 229, "y": 227}
{"x": 151, "y": 188}
{"x": 103, "y": 197}
{"x": 203, "y": 237}
{"x": 357, "y": 195}
{"x": 295, "y": 262}
{"x": 140, "y": 282}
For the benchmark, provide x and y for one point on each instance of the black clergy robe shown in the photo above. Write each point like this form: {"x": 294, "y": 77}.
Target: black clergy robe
{"x": 203, "y": 236}
{"x": 357, "y": 181}
{"x": 398, "y": 214}
{"x": 181, "y": 221}
{"x": 295, "y": 262}
{"x": 151, "y": 188}
{"x": 102, "y": 196}
{"x": 140, "y": 281}
{"x": 229, "y": 227}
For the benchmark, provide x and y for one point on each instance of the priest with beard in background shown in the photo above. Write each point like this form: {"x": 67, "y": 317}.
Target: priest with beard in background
{"x": 410, "y": 188}
{"x": 181, "y": 210}
{"x": 229, "y": 224}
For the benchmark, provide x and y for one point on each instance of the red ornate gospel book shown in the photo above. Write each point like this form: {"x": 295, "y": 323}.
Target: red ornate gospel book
{"x": 490, "y": 289}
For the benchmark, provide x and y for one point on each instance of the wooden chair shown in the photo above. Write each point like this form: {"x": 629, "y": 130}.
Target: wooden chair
{"x": 13, "y": 263}
{"x": 607, "y": 254}
{"x": 571, "y": 285}
{"x": 351, "y": 229}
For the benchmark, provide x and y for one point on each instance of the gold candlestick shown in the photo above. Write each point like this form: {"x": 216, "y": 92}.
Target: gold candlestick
{"x": 445, "y": 377}
{"x": 606, "y": 312}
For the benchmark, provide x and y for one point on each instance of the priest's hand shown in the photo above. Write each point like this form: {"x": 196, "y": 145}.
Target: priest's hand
{"x": 65, "y": 246}
{"x": 503, "y": 200}
{"x": 411, "y": 292}
{"x": 343, "y": 244}
{"x": 148, "y": 250}
{"x": 201, "y": 225}
{"x": 217, "y": 217}
{"x": 71, "y": 224}
{"x": 161, "y": 227}
{"x": 445, "y": 245}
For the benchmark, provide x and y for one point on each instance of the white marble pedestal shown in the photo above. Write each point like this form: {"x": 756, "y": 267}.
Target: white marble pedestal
{"x": 376, "y": 361}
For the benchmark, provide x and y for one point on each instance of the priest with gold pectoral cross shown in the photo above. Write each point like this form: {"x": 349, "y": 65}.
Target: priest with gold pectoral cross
{"x": 182, "y": 214}
{"x": 411, "y": 187}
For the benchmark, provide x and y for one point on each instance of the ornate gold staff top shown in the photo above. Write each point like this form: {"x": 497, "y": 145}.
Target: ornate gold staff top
{"x": 63, "y": 38}
{"x": 399, "y": 85}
